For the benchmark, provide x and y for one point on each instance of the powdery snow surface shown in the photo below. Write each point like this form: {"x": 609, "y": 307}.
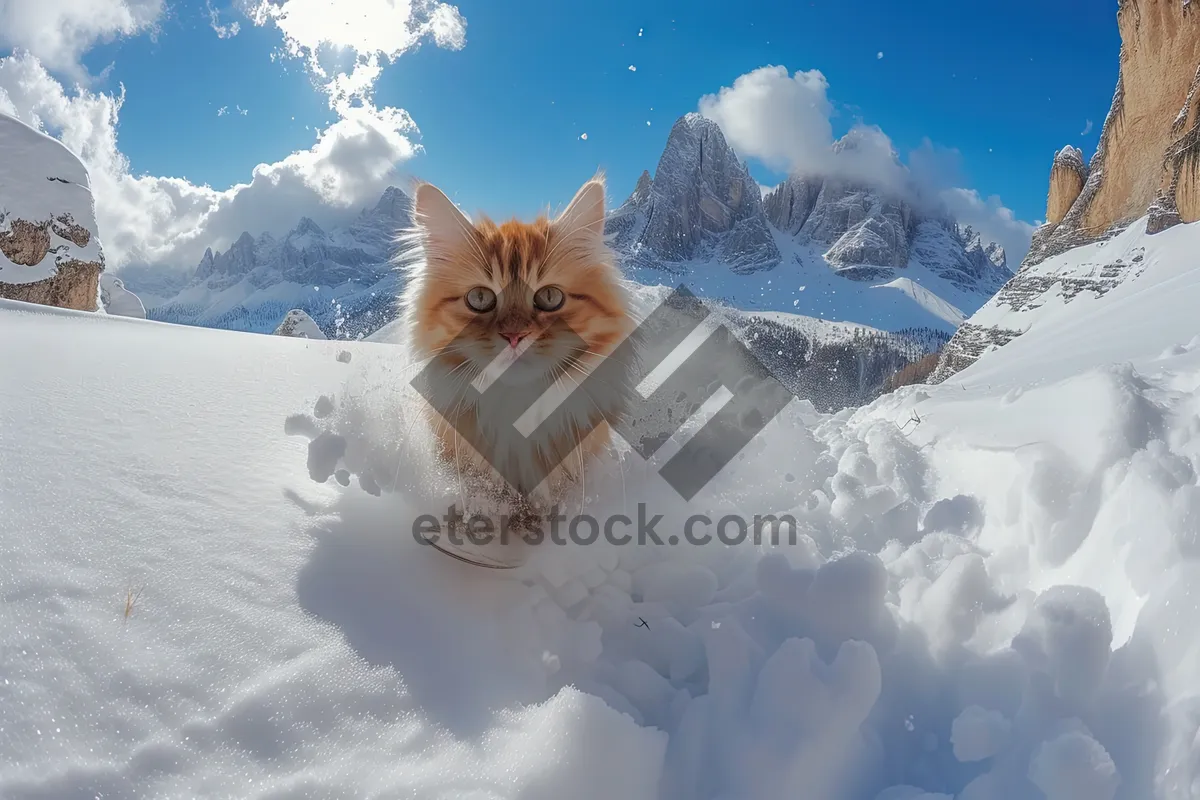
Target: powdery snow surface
{"x": 992, "y": 594}
{"x": 40, "y": 180}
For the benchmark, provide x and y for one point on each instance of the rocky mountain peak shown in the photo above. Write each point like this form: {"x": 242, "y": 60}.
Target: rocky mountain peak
{"x": 700, "y": 205}
{"x": 395, "y": 205}
{"x": 641, "y": 192}
{"x": 1148, "y": 157}
{"x": 307, "y": 226}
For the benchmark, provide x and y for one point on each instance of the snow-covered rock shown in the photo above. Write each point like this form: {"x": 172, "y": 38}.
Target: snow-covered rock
{"x": 118, "y": 300}
{"x": 49, "y": 249}
{"x": 298, "y": 323}
{"x": 1067, "y": 178}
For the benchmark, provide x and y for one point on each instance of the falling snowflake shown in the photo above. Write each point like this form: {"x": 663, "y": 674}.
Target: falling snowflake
{"x": 640, "y": 31}
{"x": 583, "y": 136}
{"x": 879, "y": 54}
{"x": 632, "y": 68}
{"x": 647, "y": 123}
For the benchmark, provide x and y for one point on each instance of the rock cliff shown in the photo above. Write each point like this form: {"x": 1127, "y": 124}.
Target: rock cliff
{"x": 1146, "y": 167}
{"x": 1148, "y": 157}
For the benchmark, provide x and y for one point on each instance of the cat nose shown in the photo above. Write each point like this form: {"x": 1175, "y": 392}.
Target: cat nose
{"x": 514, "y": 338}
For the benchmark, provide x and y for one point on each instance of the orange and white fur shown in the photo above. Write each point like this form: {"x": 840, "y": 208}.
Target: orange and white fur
{"x": 566, "y": 272}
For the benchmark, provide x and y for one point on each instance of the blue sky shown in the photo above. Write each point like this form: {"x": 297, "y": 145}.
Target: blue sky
{"x": 501, "y": 117}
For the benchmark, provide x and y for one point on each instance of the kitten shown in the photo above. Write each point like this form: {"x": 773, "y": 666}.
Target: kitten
{"x": 479, "y": 296}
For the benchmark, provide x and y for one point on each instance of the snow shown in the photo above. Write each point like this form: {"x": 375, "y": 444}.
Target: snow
{"x": 116, "y": 299}
{"x": 298, "y": 323}
{"x": 805, "y": 285}
{"x": 992, "y": 592}
{"x": 41, "y": 180}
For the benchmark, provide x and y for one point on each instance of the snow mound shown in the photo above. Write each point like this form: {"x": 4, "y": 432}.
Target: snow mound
{"x": 298, "y": 323}
{"x": 118, "y": 300}
{"x": 982, "y": 591}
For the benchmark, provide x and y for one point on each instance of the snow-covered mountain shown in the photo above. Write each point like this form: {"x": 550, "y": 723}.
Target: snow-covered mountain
{"x": 701, "y": 205}
{"x": 822, "y": 246}
{"x": 342, "y": 278}
{"x": 826, "y": 248}
{"x": 49, "y": 248}
{"x": 1144, "y": 177}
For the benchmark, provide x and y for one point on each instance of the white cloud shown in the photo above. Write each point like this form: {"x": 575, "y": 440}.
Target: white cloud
{"x": 214, "y": 21}
{"x": 783, "y": 121}
{"x": 317, "y": 29}
{"x": 58, "y": 32}
{"x": 170, "y": 221}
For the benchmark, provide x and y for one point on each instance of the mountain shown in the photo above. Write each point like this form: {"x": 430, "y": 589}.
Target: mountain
{"x": 834, "y": 283}
{"x": 824, "y": 246}
{"x": 49, "y": 249}
{"x": 342, "y": 278}
{"x": 702, "y": 205}
{"x": 1145, "y": 175}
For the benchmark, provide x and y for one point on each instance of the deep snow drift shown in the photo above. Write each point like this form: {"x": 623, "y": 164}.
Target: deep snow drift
{"x": 992, "y": 593}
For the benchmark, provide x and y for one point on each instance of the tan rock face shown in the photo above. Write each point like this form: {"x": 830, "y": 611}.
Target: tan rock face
{"x": 1067, "y": 178}
{"x": 75, "y": 284}
{"x": 1154, "y": 112}
{"x": 1147, "y": 158}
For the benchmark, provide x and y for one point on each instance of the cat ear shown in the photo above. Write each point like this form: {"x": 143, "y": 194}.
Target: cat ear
{"x": 584, "y": 215}
{"x": 445, "y": 228}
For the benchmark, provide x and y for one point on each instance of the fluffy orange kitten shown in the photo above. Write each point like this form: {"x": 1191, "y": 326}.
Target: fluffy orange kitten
{"x": 479, "y": 295}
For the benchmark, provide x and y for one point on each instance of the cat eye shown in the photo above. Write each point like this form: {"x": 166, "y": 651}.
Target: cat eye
{"x": 549, "y": 298}
{"x": 481, "y": 299}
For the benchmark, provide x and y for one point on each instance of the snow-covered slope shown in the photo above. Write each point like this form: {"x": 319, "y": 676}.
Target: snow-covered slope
{"x": 1043, "y": 290}
{"x": 49, "y": 250}
{"x": 822, "y": 246}
{"x": 342, "y": 278}
{"x": 992, "y": 594}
